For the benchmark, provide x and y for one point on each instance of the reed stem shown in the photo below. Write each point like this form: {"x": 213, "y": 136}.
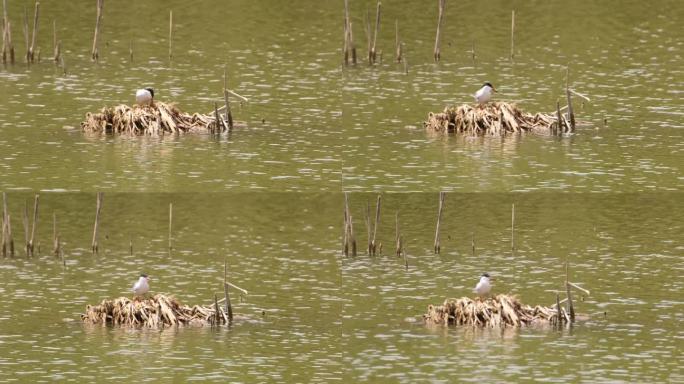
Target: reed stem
{"x": 513, "y": 227}
{"x": 374, "y": 244}
{"x": 170, "y": 223}
{"x": 397, "y": 43}
{"x": 437, "y": 246}
{"x": 438, "y": 38}
{"x": 98, "y": 208}
{"x": 95, "y": 54}
{"x": 373, "y": 52}
{"x": 512, "y": 33}
{"x": 170, "y": 34}
{"x": 229, "y": 306}
{"x": 34, "y": 35}
{"x": 34, "y": 225}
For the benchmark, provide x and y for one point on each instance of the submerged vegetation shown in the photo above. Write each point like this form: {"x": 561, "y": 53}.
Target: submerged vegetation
{"x": 498, "y": 311}
{"x": 497, "y": 118}
{"x": 157, "y": 311}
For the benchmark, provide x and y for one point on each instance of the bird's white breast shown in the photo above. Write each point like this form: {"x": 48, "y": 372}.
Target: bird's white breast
{"x": 141, "y": 286}
{"x": 143, "y": 96}
{"x": 483, "y": 95}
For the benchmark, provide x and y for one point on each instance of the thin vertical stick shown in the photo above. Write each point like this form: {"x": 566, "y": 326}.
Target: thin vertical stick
{"x": 229, "y": 306}
{"x": 351, "y": 235}
{"x": 130, "y": 52}
{"x": 512, "y": 32}
{"x": 346, "y": 48}
{"x": 442, "y": 195}
{"x": 130, "y": 244}
{"x": 35, "y": 224}
{"x": 55, "y": 236}
{"x": 397, "y": 43}
{"x": 570, "y": 117}
{"x": 513, "y": 227}
{"x": 345, "y": 241}
{"x": 369, "y": 37}
{"x": 405, "y": 257}
{"x": 95, "y": 55}
{"x": 26, "y": 37}
{"x": 369, "y": 248}
{"x": 170, "y": 34}
{"x": 472, "y": 242}
{"x": 25, "y": 221}
{"x": 229, "y": 113}
{"x": 438, "y": 38}
{"x": 4, "y": 217}
{"x": 9, "y": 235}
{"x": 216, "y": 309}
{"x": 34, "y": 35}
{"x": 375, "y": 225}
{"x": 570, "y": 308}
{"x": 559, "y": 125}
{"x": 170, "y": 223}
{"x": 472, "y": 49}
{"x": 5, "y": 43}
{"x": 559, "y": 321}
{"x": 397, "y": 235}
{"x": 217, "y": 117}
{"x": 98, "y": 208}
{"x": 57, "y": 45}
{"x": 373, "y": 52}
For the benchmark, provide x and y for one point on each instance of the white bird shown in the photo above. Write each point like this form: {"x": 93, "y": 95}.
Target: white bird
{"x": 142, "y": 286}
{"x": 484, "y": 94}
{"x": 483, "y": 286}
{"x": 144, "y": 96}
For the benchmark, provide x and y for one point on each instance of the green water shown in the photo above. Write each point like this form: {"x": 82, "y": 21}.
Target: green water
{"x": 268, "y": 198}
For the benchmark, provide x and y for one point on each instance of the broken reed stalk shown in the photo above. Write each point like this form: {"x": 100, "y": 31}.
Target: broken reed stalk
{"x": 34, "y": 36}
{"x": 170, "y": 34}
{"x": 397, "y": 236}
{"x": 347, "y": 45}
{"x": 397, "y": 43}
{"x": 229, "y": 113}
{"x": 7, "y": 47}
{"x": 369, "y": 247}
{"x": 170, "y": 223}
{"x": 559, "y": 317}
{"x": 369, "y": 37}
{"x": 513, "y": 227}
{"x": 95, "y": 54}
{"x": 512, "y": 32}
{"x": 7, "y": 240}
{"x": 437, "y": 246}
{"x": 559, "y": 120}
{"x": 438, "y": 38}
{"x": 405, "y": 253}
{"x": 98, "y": 208}
{"x": 27, "y": 56}
{"x": 472, "y": 242}
{"x": 56, "y": 45}
{"x": 349, "y": 240}
{"x": 130, "y": 244}
{"x": 130, "y": 52}
{"x": 25, "y": 221}
{"x": 229, "y": 306}
{"x": 570, "y": 117}
{"x": 217, "y": 119}
{"x": 34, "y": 225}
{"x": 374, "y": 244}
{"x": 373, "y": 53}
{"x": 55, "y": 236}
{"x": 570, "y": 308}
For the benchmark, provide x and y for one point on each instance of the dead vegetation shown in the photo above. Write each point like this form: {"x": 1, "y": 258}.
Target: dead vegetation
{"x": 158, "y": 311}
{"x": 499, "y": 311}
{"x": 157, "y": 119}
{"x": 496, "y": 119}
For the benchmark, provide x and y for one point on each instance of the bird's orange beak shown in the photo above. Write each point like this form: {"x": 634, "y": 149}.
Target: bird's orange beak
{"x": 494, "y": 89}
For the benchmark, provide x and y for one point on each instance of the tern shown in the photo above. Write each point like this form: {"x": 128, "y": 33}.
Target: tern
{"x": 484, "y": 94}
{"x": 144, "y": 96}
{"x": 483, "y": 286}
{"x": 142, "y": 286}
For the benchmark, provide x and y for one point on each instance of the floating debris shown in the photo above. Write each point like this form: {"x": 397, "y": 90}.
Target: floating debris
{"x": 499, "y": 311}
{"x": 158, "y": 311}
{"x": 496, "y": 118}
{"x": 156, "y": 119}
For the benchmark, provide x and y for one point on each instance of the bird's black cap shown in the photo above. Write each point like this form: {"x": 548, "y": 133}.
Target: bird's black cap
{"x": 151, "y": 90}
{"x": 487, "y": 84}
{"x": 486, "y": 274}
{"x": 143, "y": 275}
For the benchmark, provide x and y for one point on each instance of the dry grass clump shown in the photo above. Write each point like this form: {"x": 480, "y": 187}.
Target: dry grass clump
{"x": 496, "y": 118}
{"x": 499, "y": 311}
{"x": 158, "y": 311}
{"x": 157, "y": 119}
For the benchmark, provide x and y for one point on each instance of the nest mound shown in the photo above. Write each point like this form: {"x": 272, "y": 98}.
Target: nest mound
{"x": 499, "y": 311}
{"x": 156, "y": 119}
{"x": 158, "y": 311}
{"x": 496, "y": 118}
